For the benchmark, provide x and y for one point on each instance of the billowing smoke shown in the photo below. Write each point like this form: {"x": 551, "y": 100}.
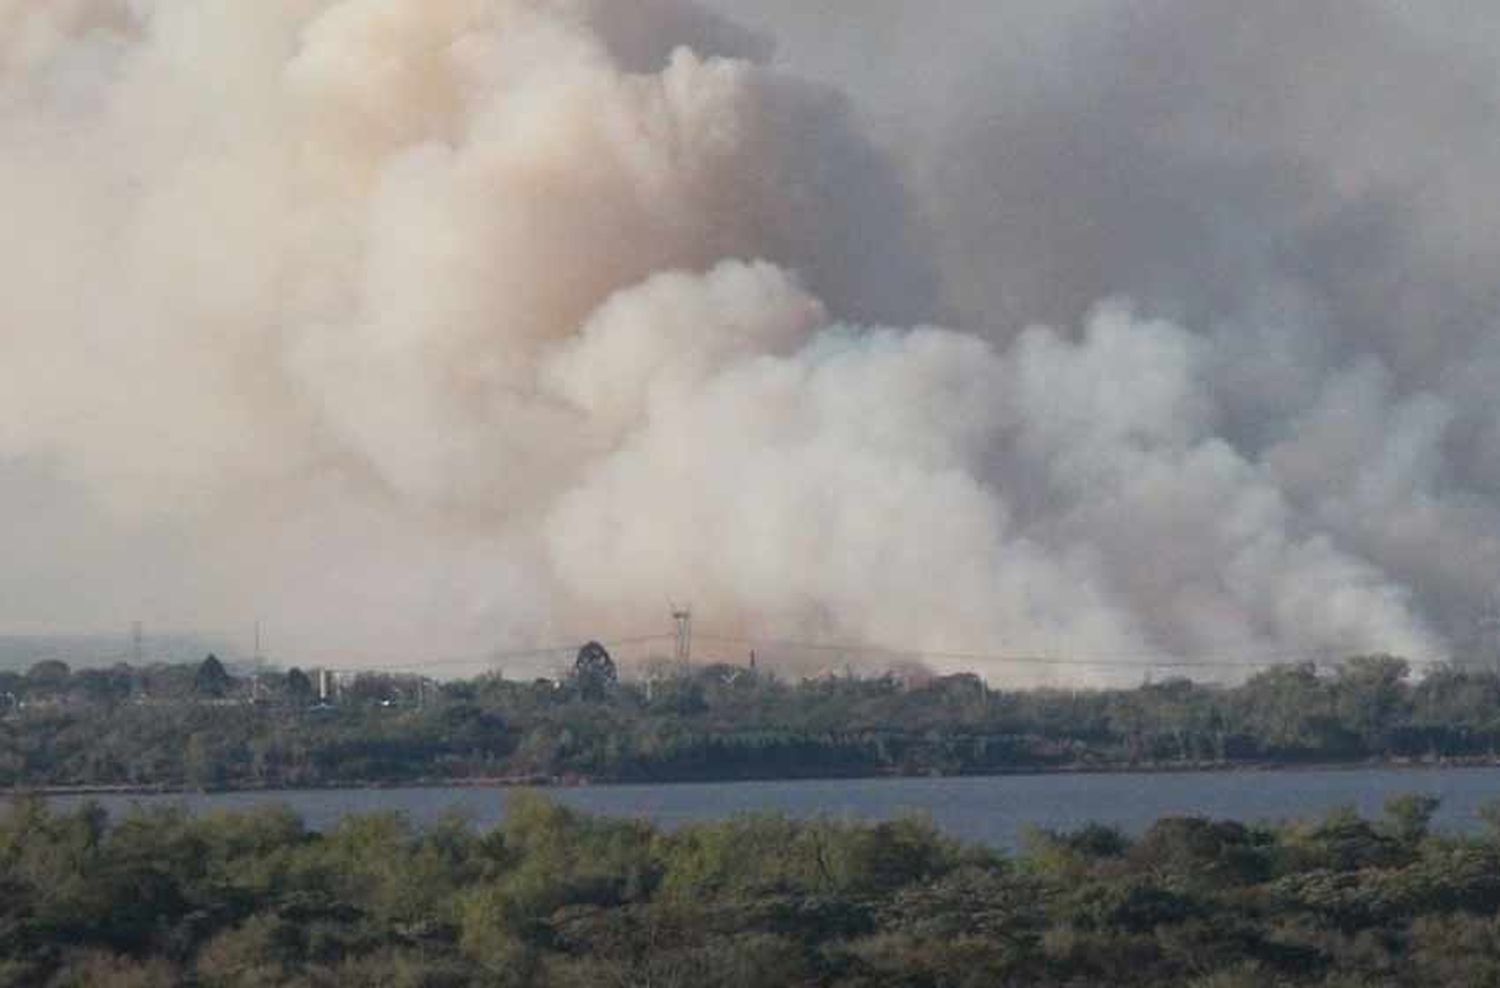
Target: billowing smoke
{"x": 1306, "y": 186}
{"x": 425, "y": 328}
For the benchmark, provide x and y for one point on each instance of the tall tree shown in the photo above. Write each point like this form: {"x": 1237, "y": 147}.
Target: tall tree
{"x": 212, "y": 679}
{"x": 594, "y": 671}
{"x": 298, "y": 685}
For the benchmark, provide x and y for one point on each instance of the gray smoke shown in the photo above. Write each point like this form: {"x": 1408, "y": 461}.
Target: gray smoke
{"x": 425, "y": 328}
{"x": 1305, "y": 186}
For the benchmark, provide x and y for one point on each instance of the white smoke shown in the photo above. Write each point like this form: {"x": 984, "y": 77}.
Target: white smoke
{"x": 430, "y": 327}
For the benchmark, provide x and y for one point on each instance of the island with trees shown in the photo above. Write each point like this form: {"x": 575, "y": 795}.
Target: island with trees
{"x": 203, "y": 726}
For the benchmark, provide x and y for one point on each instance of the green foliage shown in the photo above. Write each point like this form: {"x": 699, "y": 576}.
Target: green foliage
{"x": 1409, "y": 816}
{"x": 298, "y": 686}
{"x": 551, "y": 897}
{"x": 199, "y": 726}
{"x": 594, "y": 672}
{"x": 1191, "y": 852}
{"x": 211, "y": 679}
{"x": 48, "y": 673}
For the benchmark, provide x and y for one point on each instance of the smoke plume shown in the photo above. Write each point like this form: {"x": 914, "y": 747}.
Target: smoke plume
{"x": 425, "y": 328}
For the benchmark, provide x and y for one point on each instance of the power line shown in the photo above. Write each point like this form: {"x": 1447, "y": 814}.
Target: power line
{"x": 678, "y": 636}
{"x": 1115, "y": 660}
{"x": 539, "y": 651}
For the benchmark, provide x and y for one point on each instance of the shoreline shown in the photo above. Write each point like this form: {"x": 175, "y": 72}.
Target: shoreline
{"x": 574, "y": 781}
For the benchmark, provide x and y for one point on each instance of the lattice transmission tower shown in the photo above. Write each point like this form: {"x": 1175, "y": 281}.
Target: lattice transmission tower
{"x": 682, "y": 617}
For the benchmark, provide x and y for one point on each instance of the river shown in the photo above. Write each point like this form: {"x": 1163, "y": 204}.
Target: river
{"x": 994, "y": 810}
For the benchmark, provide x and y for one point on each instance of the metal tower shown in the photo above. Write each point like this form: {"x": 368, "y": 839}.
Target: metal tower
{"x": 683, "y": 618}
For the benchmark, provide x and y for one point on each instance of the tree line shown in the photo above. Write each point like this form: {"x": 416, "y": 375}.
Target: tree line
{"x": 550, "y": 897}
{"x": 202, "y": 726}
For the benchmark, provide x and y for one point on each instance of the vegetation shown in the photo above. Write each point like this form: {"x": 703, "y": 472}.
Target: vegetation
{"x": 202, "y": 726}
{"x": 554, "y": 898}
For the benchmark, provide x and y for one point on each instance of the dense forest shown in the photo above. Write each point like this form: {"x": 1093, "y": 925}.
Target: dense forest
{"x": 553, "y": 898}
{"x": 200, "y": 725}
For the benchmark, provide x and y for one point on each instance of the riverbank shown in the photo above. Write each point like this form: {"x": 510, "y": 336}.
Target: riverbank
{"x": 706, "y": 725}
{"x": 576, "y": 781}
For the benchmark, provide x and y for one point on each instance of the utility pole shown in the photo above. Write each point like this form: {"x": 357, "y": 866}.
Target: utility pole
{"x": 1487, "y": 637}
{"x": 259, "y": 658}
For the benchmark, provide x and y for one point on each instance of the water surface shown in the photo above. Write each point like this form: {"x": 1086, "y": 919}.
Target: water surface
{"x": 994, "y": 810}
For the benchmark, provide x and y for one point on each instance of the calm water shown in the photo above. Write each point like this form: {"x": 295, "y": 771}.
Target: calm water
{"x": 992, "y": 810}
